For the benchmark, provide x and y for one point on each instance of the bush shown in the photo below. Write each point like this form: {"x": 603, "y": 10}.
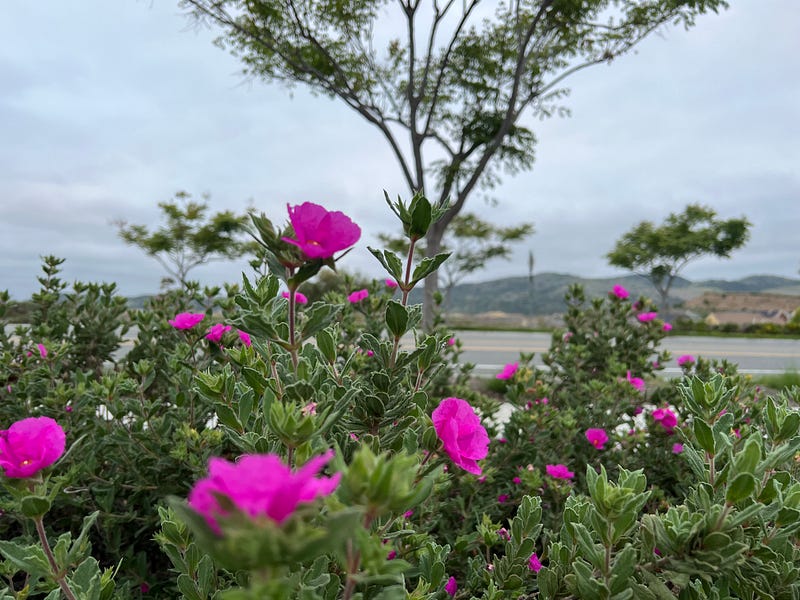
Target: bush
{"x": 363, "y": 481}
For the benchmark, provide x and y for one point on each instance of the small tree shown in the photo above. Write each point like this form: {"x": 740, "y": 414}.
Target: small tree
{"x": 661, "y": 252}
{"x": 473, "y": 242}
{"x": 189, "y": 238}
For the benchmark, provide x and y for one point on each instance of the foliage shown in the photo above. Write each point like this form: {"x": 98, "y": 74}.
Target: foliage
{"x": 472, "y": 243}
{"x": 661, "y": 252}
{"x": 189, "y": 238}
{"x": 638, "y": 517}
{"x": 451, "y": 79}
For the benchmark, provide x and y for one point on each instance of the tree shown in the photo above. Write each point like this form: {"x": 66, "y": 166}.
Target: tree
{"x": 449, "y": 90}
{"x": 189, "y": 238}
{"x": 660, "y": 252}
{"x": 472, "y": 243}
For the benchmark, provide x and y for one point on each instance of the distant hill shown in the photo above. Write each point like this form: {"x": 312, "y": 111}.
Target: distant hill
{"x": 546, "y": 295}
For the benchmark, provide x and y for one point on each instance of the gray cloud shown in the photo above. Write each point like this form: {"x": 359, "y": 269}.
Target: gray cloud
{"x": 109, "y": 108}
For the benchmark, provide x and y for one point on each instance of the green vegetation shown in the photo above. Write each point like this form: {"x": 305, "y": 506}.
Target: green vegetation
{"x": 661, "y": 252}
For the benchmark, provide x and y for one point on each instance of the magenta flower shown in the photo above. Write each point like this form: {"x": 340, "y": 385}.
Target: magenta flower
{"x": 503, "y": 533}
{"x": 260, "y": 486}
{"x": 685, "y": 359}
{"x": 30, "y": 445}
{"x": 391, "y": 283}
{"x": 636, "y": 382}
{"x": 677, "y": 448}
{"x": 408, "y": 514}
{"x": 42, "y": 350}
{"x": 597, "y": 438}
{"x": 646, "y": 317}
{"x": 464, "y": 438}
{"x": 186, "y": 320}
{"x": 559, "y": 471}
{"x": 392, "y": 555}
{"x": 534, "y": 564}
{"x": 666, "y": 327}
{"x": 666, "y": 418}
{"x": 517, "y": 480}
{"x": 245, "y": 337}
{"x": 216, "y": 332}
{"x": 508, "y": 371}
{"x": 357, "y": 296}
{"x": 298, "y": 297}
{"x": 451, "y": 341}
{"x": 620, "y": 292}
{"x": 320, "y": 233}
{"x": 451, "y": 587}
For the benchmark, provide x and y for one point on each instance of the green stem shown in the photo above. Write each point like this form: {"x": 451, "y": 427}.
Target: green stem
{"x": 406, "y": 289}
{"x": 57, "y": 574}
{"x": 292, "y": 345}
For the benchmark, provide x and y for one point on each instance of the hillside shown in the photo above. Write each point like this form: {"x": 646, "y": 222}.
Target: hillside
{"x": 546, "y": 295}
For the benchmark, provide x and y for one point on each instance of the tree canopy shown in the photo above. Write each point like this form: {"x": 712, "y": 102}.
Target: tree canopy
{"x": 446, "y": 83}
{"x": 660, "y": 252}
{"x": 190, "y": 238}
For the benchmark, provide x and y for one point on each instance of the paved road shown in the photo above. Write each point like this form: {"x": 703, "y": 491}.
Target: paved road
{"x": 490, "y": 350}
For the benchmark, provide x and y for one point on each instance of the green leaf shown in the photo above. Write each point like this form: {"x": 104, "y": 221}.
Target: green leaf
{"x": 35, "y": 507}
{"x": 396, "y": 318}
{"x": 704, "y": 435}
{"x": 428, "y": 266}
{"x": 742, "y": 486}
{"x": 390, "y": 261}
{"x": 326, "y": 345}
{"x": 421, "y": 214}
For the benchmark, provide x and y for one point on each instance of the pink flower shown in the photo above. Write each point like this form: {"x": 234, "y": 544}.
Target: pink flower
{"x": 144, "y": 587}
{"x": 685, "y": 359}
{"x": 370, "y": 353}
{"x": 408, "y": 514}
{"x": 451, "y": 341}
{"x": 508, "y": 371}
{"x": 737, "y": 434}
{"x": 451, "y": 587}
{"x": 534, "y": 564}
{"x": 517, "y": 480}
{"x": 597, "y": 438}
{"x": 309, "y": 409}
{"x": 298, "y": 297}
{"x": 620, "y": 292}
{"x": 666, "y": 327}
{"x": 245, "y": 337}
{"x": 636, "y": 382}
{"x": 391, "y": 283}
{"x": 68, "y": 408}
{"x": 677, "y": 448}
{"x": 260, "y": 485}
{"x": 503, "y": 498}
{"x": 216, "y": 332}
{"x": 320, "y": 233}
{"x": 559, "y": 471}
{"x": 544, "y": 400}
{"x": 666, "y": 418}
{"x": 464, "y": 438}
{"x": 186, "y": 320}
{"x": 357, "y": 296}
{"x": 30, "y": 445}
{"x": 648, "y": 316}
{"x": 503, "y": 533}
{"x": 42, "y": 350}
{"x": 638, "y": 410}
{"x": 392, "y": 555}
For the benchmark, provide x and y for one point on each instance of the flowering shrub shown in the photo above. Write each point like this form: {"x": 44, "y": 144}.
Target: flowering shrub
{"x": 331, "y": 450}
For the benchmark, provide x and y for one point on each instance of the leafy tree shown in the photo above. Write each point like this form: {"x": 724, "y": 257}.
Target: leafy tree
{"x": 472, "y": 243}
{"x": 660, "y": 252}
{"x": 449, "y": 88}
{"x": 189, "y": 238}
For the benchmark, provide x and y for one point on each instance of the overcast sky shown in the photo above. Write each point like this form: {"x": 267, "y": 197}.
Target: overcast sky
{"x": 107, "y": 108}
